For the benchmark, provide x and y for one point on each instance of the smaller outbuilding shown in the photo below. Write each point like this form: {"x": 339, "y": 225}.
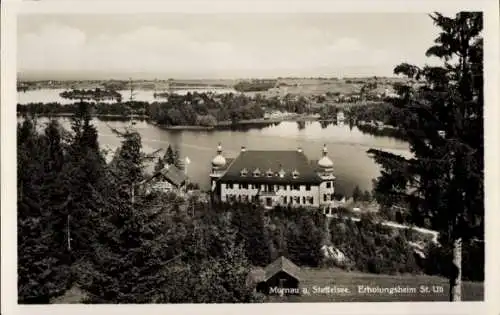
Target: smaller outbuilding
{"x": 170, "y": 178}
{"x": 281, "y": 277}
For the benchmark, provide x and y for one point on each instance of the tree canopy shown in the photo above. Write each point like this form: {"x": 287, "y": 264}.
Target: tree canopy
{"x": 442, "y": 119}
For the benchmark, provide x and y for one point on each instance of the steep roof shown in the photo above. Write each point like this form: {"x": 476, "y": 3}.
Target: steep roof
{"x": 282, "y": 264}
{"x": 275, "y": 161}
{"x": 171, "y": 173}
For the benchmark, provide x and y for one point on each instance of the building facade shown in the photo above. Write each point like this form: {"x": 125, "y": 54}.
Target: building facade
{"x": 272, "y": 178}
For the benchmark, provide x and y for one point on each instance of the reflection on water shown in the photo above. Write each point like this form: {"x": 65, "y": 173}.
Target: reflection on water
{"x": 347, "y": 147}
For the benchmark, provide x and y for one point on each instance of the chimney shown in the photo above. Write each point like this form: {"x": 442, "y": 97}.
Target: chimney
{"x": 243, "y": 148}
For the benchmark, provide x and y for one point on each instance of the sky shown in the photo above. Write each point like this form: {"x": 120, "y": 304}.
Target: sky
{"x": 225, "y": 45}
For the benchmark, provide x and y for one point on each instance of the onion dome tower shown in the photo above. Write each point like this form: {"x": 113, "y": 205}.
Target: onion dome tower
{"x": 219, "y": 160}
{"x": 325, "y": 171}
{"x": 325, "y": 164}
{"x": 218, "y": 164}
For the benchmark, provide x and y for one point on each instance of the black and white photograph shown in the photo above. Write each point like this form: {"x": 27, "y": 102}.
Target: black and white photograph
{"x": 249, "y": 157}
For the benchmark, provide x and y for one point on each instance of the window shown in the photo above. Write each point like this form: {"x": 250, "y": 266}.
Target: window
{"x": 256, "y": 173}
{"x": 324, "y": 197}
{"x": 281, "y": 173}
{"x": 284, "y": 199}
{"x": 269, "y": 173}
{"x": 296, "y": 187}
{"x": 308, "y": 187}
{"x": 296, "y": 199}
{"x": 230, "y": 186}
{"x": 332, "y": 197}
{"x": 244, "y": 172}
{"x": 303, "y": 200}
{"x": 244, "y": 186}
{"x": 295, "y": 174}
{"x": 328, "y": 184}
{"x": 311, "y": 200}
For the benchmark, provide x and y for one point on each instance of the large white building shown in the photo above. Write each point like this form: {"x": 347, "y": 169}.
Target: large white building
{"x": 273, "y": 178}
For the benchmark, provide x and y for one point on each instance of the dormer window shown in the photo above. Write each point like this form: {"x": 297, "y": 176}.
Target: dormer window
{"x": 256, "y": 173}
{"x": 281, "y": 173}
{"x": 244, "y": 172}
{"x": 295, "y": 174}
{"x": 269, "y": 173}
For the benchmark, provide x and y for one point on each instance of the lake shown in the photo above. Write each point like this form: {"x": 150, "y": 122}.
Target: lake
{"x": 52, "y": 95}
{"x": 347, "y": 147}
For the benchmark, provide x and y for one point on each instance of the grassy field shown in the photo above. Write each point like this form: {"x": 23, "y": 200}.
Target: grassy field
{"x": 331, "y": 278}
{"x": 342, "y": 280}
{"x": 301, "y": 86}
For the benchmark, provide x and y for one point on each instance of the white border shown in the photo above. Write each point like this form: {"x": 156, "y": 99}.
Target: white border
{"x": 11, "y": 8}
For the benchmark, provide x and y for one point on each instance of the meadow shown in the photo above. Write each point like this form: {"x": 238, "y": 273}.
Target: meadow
{"x": 331, "y": 277}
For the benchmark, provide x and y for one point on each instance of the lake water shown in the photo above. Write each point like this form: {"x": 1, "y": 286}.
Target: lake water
{"x": 52, "y": 95}
{"x": 347, "y": 148}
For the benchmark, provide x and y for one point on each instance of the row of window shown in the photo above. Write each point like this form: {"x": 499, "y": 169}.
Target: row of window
{"x": 286, "y": 199}
{"x": 267, "y": 187}
{"x": 272, "y": 187}
{"x": 269, "y": 173}
{"x": 297, "y": 200}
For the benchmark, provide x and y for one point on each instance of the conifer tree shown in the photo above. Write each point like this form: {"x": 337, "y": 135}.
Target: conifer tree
{"x": 249, "y": 222}
{"x": 84, "y": 178}
{"x": 43, "y": 261}
{"x": 127, "y": 264}
{"x": 441, "y": 114}
{"x": 170, "y": 157}
{"x": 356, "y": 193}
{"x": 215, "y": 267}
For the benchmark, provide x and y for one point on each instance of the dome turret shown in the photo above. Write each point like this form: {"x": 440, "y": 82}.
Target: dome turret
{"x": 219, "y": 160}
{"x": 325, "y": 162}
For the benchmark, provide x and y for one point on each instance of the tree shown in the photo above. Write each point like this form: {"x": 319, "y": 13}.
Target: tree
{"x": 367, "y": 196}
{"x": 214, "y": 267}
{"x": 251, "y": 231}
{"x": 137, "y": 235}
{"x": 129, "y": 166}
{"x": 130, "y": 264}
{"x": 169, "y": 157}
{"x": 43, "y": 259}
{"x": 442, "y": 118}
{"x": 85, "y": 180}
{"x": 356, "y": 193}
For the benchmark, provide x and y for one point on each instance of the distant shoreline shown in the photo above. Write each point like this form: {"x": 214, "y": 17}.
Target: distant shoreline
{"x": 219, "y": 125}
